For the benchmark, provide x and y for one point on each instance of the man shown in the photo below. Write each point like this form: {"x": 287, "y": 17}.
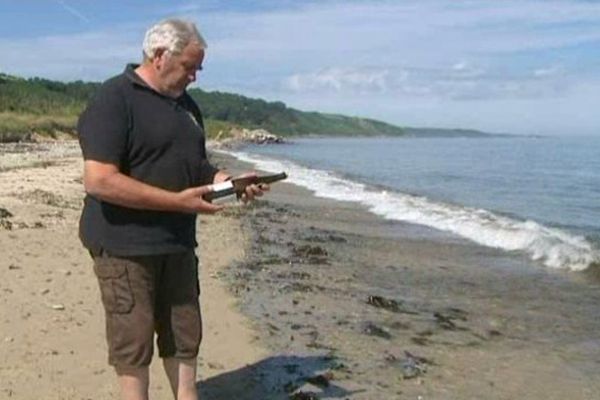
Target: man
{"x": 145, "y": 172}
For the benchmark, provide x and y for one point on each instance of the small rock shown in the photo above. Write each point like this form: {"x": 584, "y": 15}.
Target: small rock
{"x": 6, "y": 224}
{"x": 58, "y": 307}
{"x": 308, "y": 250}
{"x": 411, "y": 365}
{"x": 213, "y": 365}
{"x": 445, "y": 319}
{"x": 421, "y": 341}
{"x": 272, "y": 327}
{"x": 373, "y": 330}
{"x": 304, "y": 396}
{"x": 4, "y": 213}
{"x": 390, "y": 305}
{"x": 494, "y": 333}
{"x": 321, "y": 380}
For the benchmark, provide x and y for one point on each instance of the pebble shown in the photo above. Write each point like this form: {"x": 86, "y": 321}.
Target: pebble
{"x": 58, "y": 307}
{"x": 214, "y": 365}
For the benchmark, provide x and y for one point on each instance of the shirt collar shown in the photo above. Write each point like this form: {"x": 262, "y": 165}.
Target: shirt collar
{"x": 134, "y": 77}
{"x": 137, "y": 80}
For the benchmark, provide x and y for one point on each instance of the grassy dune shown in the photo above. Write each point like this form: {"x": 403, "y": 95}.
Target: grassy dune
{"x": 20, "y": 126}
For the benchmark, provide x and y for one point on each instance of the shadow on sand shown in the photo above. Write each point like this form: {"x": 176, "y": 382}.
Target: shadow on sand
{"x": 274, "y": 378}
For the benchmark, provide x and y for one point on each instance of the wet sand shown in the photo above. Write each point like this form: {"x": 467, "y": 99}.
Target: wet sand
{"x": 402, "y": 311}
{"x": 300, "y": 295}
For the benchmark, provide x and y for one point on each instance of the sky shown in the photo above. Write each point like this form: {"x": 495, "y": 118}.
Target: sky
{"x": 505, "y": 66}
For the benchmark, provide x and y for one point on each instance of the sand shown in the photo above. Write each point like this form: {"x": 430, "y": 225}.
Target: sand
{"x": 52, "y": 342}
{"x": 299, "y": 295}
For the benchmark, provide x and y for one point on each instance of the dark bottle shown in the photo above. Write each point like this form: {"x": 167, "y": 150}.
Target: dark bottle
{"x": 238, "y": 186}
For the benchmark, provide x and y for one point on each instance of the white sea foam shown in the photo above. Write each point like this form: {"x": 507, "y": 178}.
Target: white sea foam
{"x": 553, "y": 247}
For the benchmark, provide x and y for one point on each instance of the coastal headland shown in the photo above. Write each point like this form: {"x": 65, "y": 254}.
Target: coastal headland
{"x": 302, "y": 298}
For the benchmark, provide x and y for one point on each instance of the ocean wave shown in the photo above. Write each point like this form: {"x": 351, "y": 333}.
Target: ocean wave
{"x": 554, "y": 247}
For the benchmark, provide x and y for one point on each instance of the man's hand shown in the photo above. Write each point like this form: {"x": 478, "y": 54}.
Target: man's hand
{"x": 253, "y": 190}
{"x": 191, "y": 200}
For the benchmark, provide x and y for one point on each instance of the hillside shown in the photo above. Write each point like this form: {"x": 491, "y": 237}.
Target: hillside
{"x": 276, "y": 117}
{"x": 51, "y": 108}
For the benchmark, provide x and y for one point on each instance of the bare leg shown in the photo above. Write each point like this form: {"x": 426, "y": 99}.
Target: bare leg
{"x": 134, "y": 383}
{"x": 182, "y": 377}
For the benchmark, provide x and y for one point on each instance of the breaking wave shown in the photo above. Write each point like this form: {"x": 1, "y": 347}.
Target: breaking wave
{"x": 553, "y": 247}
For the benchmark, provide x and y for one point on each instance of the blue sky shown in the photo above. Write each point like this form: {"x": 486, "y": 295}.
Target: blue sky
{"x": 515, "y": 66}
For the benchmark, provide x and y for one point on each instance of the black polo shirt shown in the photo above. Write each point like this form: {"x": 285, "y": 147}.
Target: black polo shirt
{"x": 152, "y": 138}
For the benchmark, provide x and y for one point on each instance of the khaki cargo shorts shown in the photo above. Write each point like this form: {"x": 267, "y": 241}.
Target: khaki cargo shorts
{"x": 144, "y": 295}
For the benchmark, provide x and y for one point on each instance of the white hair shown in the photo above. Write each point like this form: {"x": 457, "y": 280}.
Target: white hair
{"x": 171, "y": 35}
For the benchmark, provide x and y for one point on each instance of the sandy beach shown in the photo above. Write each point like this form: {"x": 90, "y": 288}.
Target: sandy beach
{"x": 302, "y": 298}
{"x": 51, "y": 321}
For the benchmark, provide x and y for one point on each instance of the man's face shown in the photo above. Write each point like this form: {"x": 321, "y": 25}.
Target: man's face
{"x": 177, "y": 71}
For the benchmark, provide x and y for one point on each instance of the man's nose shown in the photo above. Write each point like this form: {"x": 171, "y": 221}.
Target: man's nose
{"x": 192, "y": 77}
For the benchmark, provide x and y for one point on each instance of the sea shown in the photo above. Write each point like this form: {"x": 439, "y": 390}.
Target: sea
{"x": 538, "y": 196}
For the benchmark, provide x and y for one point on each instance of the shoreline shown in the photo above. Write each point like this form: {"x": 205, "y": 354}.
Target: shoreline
{"x": 308, "y": 290}
{"x": 544, "y": 238}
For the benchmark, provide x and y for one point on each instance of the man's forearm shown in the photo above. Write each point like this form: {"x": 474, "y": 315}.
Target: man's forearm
{"x": 120, "y": 189}
{"x": 105, "y": 182}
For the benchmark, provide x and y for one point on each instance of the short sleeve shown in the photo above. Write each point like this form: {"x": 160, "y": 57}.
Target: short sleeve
{"x": 104, "y": 125}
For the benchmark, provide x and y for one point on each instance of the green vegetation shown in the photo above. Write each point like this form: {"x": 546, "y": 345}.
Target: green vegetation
{"x": 51, "y": 108}
{"x": 40, "y": 106}
{"x": 277, "y": 118}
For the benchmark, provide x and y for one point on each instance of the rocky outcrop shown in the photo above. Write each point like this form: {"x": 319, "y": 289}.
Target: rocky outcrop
{"x": 258, "y": 136}
{"x": 244, "y": 136}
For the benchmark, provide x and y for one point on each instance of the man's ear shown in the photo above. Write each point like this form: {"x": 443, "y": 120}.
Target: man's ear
{"x": 158, "y": 60}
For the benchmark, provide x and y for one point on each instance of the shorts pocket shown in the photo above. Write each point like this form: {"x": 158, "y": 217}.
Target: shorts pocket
{"x": 115, "y": 287}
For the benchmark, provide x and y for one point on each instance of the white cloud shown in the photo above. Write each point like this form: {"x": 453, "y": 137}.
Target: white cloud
{"x": 340, "y": 79}
{"x": 464, "y": 69}
{"x": 548, "y": 71}
{"x": 461, "y": 81}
